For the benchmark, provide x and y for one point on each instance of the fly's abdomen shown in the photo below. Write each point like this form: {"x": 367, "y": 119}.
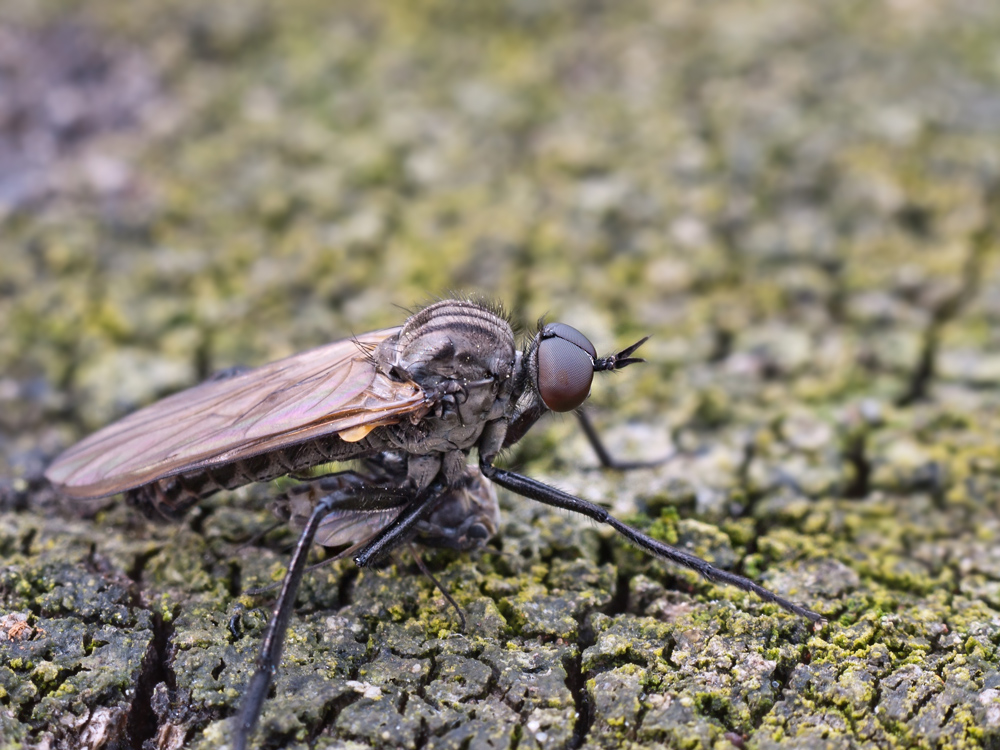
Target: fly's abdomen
{"x": 171, "y": 497}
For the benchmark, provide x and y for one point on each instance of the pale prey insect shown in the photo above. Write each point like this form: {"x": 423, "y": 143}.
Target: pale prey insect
{"x": 409, "y": 404}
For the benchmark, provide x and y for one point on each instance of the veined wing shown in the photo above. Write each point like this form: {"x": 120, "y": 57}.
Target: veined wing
{"x": 350, "y": 526}
{"x": 333, "y": 389}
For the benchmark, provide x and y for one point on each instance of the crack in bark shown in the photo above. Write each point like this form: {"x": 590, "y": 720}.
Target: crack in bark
{"x": 925, "y": 368}
{"x": 143, "y": 721}
{"x": 856, "y": 454}
{"x": 576, "y": 682}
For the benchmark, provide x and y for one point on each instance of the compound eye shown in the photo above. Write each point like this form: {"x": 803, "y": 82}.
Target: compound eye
{"x": 565, "y": 369}
{"x": 570, "y": 334}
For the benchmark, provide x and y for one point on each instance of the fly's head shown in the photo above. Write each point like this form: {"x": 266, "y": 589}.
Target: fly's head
{"x": 461, "y": 353}
{"x": 562, "y": 363}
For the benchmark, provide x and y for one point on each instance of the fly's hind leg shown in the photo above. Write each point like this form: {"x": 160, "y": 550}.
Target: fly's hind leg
{"x": 378, "y": 516}
{"x": 354, "y": 495}
{"x": 437, "y": 584}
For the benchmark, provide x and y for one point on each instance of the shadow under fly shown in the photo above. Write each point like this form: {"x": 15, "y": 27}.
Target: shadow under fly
{"x": 410, "y": 404}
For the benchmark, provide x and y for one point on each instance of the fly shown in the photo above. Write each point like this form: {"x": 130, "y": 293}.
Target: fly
{"x": 409, "y": 404}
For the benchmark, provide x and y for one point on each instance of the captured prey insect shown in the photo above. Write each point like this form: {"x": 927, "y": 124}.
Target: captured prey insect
{"x": 409, "y": 404}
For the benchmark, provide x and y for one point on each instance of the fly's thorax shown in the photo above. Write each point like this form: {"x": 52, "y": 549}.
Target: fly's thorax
{"x": 462, "y": 355}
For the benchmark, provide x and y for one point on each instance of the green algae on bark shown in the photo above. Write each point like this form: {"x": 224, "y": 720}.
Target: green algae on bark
{"x": 798, "y": 202}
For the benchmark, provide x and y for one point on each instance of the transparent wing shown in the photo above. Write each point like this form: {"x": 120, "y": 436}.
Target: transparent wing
{"x": 473, "y": 502}
{"x": 330, "y": 390}
{"x": 349, "y": 526}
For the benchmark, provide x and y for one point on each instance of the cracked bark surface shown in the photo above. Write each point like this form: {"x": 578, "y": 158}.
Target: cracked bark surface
{"x": 799, "y": 203}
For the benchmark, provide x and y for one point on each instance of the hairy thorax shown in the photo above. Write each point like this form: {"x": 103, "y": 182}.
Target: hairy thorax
{"x": 463, "y": 357}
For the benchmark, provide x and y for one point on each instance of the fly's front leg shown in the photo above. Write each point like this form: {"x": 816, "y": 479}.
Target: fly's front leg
{"x": 535, "y": 490}
{"x": 607, "y": 461}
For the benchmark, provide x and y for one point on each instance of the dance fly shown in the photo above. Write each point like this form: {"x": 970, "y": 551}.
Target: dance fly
{"x": 409, "y": 405}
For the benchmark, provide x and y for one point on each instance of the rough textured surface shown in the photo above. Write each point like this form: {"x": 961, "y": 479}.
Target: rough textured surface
{"x": 799, "y": 201}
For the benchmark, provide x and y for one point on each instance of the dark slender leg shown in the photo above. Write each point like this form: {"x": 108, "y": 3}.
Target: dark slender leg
{"x": 274, "y": 641}
{"x": 535, "y": 490}
{"x": 602, "y": 453}
{"x": 360, "y": 484}
{"x": 259, "y": 535}
{"x": 437, "y": 584}
{"x": 375, "y": 474}
{"x": 261, "y": 590}
{"x": 401, "y": 528}
{"x": 524, "y": 421}
{"x": 314, "y": 478}
{"x": 356, "y": 496}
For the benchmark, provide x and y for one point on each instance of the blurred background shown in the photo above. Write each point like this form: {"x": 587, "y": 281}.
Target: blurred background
{"x": 799, "y": 202}
{"x": 183, "y": 188}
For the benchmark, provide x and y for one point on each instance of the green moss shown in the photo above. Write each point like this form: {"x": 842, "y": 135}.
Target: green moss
{"x": 289, "y": 175}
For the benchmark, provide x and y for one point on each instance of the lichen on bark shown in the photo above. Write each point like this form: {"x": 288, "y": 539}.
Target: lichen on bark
{"x": 798, "y": 201}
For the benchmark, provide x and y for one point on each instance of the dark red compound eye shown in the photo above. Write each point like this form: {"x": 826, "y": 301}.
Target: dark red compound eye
{"x": 565, "y": 367}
